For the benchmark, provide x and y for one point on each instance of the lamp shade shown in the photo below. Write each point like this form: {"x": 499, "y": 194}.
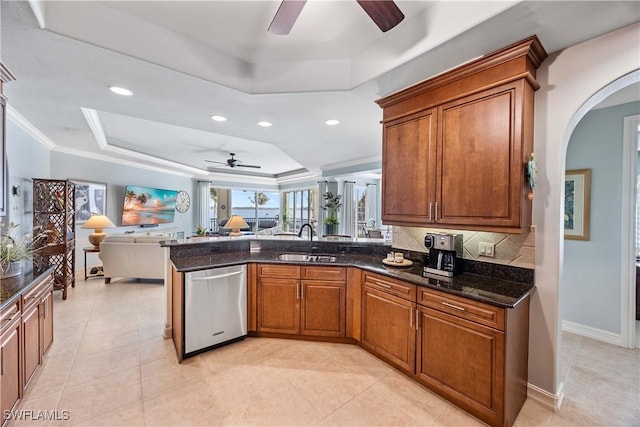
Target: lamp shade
{"x": 235, "y": 223}
{"x": 98, "y": 223}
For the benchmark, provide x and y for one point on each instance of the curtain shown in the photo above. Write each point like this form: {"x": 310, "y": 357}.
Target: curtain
{"x": 201, "y": 204}
{"x": 323, "y": 186}
{"x": 371, "y": 204}
{"x": 348, "y": 205}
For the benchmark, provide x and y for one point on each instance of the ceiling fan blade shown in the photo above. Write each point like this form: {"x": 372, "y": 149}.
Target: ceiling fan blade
{"x": 238, "y": 165}
{"x": 213, "y": 161}
{"x": 286, "y": 16}
{"x": 385, "y": 13}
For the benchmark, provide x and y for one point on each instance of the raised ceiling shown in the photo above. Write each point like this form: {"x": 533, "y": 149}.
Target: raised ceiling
{"x": 186, "y": 61}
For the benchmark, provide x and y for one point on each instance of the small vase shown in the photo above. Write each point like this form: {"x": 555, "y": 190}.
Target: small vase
{"x": 11, "y": 269}
{"x": 331, "y": 229}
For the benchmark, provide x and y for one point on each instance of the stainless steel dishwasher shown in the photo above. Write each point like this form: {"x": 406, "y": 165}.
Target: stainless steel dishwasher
{"x": 215, "y": 307}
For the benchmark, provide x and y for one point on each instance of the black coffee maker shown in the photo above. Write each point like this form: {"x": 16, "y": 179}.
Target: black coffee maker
{"x": 445, "y": 254}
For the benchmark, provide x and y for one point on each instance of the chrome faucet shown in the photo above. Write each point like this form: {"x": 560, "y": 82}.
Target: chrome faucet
{"x": 306, "y": 224}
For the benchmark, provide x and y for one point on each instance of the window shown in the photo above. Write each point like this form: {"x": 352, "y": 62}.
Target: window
{"x": 299, "y": 208}
{"x": 260, "y": 209}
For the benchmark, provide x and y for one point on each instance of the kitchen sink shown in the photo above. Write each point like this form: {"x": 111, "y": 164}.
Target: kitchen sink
{"x": 301, "y": 257}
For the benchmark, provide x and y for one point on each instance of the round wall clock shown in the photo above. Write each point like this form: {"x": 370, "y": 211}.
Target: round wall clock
{"x": 183, "y": 201}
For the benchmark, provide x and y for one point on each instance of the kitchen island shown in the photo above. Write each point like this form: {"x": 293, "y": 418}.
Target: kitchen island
{"x": 465, "y": 338}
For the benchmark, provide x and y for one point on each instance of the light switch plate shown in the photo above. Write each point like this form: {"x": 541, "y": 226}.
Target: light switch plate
{"x": 486, "y": 249}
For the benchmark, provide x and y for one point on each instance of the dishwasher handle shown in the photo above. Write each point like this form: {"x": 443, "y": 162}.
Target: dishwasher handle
{"x": 219, "y": 276}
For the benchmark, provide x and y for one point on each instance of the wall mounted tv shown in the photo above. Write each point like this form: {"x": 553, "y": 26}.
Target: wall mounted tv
{"x": 147, "y": 206}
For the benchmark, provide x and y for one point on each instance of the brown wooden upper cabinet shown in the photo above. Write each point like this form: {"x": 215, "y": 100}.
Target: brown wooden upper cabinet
{"x": 455, "y": 147}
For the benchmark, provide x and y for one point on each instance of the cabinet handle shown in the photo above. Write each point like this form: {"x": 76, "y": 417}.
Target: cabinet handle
{"x": 430, "y": 206}
{"x": 436, "y": 217}
{"x": 384, "y": 285}
{"x": 298, "y": 291}
{"x": 417, "y": 319}
{"x": 457, "y": 307}
{"x": 9, "y": 319}
{"x": 1, "y": 361}
{"x": 301, "y": 291}
{"x": 411, "y": 317}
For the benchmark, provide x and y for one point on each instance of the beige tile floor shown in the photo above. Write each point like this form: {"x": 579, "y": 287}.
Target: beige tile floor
{"x": 109, "y": 366}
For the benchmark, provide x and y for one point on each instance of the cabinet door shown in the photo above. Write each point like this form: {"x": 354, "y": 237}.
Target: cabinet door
{"x": 322, "y": 309}
{"x": 463, "y": 361}
{"x": 278, "y": 305}
{"x": 31, "y": 331}
{"x": 480, "y": 162}
{"x": 10, "y": 365}
{"x": 387, "y": 328}
{"x": 408, "y": 169}
{"x": 46, "y": 321}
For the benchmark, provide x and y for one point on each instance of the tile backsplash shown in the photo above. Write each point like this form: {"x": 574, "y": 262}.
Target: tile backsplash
{"x": 517, "y": 250}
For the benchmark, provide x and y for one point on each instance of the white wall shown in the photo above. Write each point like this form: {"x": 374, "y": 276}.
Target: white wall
{"x": 117, "y": 176}
{"x": 590, "y": 283}
{"x": 568, "y": 79}
{"x": 26, "y": 158}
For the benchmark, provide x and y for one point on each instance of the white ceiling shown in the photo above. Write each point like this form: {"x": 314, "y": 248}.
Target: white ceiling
{"x": 186, "y": 61}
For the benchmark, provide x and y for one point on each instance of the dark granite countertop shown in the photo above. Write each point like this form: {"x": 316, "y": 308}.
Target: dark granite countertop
{"x": 495, "y": 291}
{"x": 11, "y": 288}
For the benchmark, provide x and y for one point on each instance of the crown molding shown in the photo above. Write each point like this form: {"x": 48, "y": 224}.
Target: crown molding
{"x": 19, "y": 120}
{"x": 130, "y": 163}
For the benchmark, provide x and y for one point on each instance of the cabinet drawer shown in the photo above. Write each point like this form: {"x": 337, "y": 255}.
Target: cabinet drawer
{"x": 278, "y": 270}
{"x": 333, "y": 274}
{"x": 395, "y": 287}
{"x": 34, "y": 294}
{"x": 474, "y": 311}
{"x": 9, "y": 313}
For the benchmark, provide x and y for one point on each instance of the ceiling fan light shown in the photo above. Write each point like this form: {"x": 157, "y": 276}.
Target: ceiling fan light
{"x": 120, "y": 91}
{"x": 331, "y": 122}
{"x": 218, "y": 118}
{"x": 265, "y": 124}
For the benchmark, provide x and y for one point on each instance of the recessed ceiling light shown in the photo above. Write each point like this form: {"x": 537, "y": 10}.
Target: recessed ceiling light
{"x": 218, "y": 118}
{"x": 121, "y": 91}
{"x": 331, "y": 122}
{"x": 264, "y": 124}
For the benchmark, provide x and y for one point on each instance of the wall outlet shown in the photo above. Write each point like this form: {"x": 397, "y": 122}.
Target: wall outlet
{"x": 486, "y": 249}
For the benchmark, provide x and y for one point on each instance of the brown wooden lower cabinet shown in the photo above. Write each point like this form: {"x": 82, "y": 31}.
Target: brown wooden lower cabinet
{"x": 322, "y": 308}
{"x": 288, "y": 305}
{"x": 463, "y": 361}
{"x": 46, "y": 321}
{"x": 387, "y": 327}
{"x": 26, "y": 334}
{"x": 31, "y": 333}
{"x": 278, "y": 305}
{"x": 10, "y": 363}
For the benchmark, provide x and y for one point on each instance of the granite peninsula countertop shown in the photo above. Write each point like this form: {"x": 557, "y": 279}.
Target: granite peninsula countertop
{"x": 12, "y": 287}
{"x": 491, "y": 290}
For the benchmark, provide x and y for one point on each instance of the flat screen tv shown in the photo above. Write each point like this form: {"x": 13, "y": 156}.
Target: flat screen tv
{"x": 144, "y": 206}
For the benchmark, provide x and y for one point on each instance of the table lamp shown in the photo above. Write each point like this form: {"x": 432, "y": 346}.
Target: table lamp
{"x": 98, "y": 223}
{"x": 235, "y": 223}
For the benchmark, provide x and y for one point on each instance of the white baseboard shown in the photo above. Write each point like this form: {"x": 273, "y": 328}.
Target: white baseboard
{"x": 548, "y": 400}
{"x": 593, "y": 333}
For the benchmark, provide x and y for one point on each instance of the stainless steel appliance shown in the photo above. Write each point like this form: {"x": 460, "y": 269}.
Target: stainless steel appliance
{"x": 445, "y": 254}
{"x": 215, "y": 308}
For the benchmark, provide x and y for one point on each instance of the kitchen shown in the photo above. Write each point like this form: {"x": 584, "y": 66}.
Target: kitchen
{"x": 543, "y": 244}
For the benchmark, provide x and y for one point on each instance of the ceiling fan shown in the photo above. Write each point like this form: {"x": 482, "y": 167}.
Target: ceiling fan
{"x": 234, "y": 163}
{"x": 384, "y": 13}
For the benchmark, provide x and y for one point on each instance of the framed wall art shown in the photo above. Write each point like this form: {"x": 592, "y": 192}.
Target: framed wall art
{"x": 91, "y": 199}
{"x": 577, "y": 201}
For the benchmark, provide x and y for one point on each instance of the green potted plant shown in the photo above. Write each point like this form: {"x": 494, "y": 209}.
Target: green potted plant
{"x": 200, "y": 230}
{"x": 14, "y": 251}
{"x": 331, "y": 206}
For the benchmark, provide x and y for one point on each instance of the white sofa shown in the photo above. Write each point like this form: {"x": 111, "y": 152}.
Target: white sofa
{"x": 132, "y": 256}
